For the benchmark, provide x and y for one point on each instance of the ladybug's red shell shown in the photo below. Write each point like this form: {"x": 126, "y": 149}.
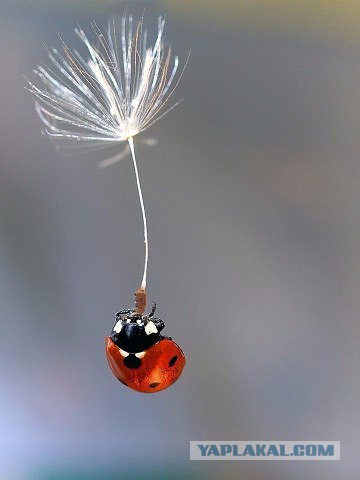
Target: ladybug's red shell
{"x": 161, "y": 365}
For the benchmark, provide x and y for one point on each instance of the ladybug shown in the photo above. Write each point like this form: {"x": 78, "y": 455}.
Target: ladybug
{"x": 139, "y": 356}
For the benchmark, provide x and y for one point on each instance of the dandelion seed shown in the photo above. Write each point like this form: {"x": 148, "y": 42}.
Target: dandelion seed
{"x": 119, "y": 91}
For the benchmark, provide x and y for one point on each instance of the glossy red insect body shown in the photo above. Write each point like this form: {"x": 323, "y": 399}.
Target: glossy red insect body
{"x": 139, "y": 356}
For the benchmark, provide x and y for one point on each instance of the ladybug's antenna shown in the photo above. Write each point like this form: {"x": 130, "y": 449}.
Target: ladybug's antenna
{"x": 140, "y": 301}
{"x": 143, "y": 283}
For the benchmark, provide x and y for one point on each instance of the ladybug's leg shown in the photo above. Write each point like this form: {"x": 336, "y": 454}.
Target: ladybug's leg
{"x": 153, "y": 309}
{"x": 164, "y": 337}
{"x": 159, "y": 324}
{"x": 125, "y": 312}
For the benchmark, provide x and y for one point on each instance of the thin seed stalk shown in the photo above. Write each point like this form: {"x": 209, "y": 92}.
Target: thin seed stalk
{"x": 132, "y": 150}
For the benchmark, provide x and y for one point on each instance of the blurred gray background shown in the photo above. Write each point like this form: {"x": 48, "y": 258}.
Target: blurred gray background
{"x": 252, "y": 195}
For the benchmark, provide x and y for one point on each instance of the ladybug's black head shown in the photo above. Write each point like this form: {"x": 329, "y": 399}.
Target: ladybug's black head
{"x": 135, "y": 333}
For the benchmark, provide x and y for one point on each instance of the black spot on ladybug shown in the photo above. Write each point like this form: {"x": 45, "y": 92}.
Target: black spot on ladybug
{"x": 131, "y": 361}
{"x": 154, "y": 385}
{"x": 124, "y": 383}
{"x": 173, "y": 360}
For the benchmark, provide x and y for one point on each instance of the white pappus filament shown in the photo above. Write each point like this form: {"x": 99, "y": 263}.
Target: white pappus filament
{"x": 115, "y": 93}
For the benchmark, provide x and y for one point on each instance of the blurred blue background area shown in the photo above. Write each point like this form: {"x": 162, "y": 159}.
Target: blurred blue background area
{"x": 252, "y": 196}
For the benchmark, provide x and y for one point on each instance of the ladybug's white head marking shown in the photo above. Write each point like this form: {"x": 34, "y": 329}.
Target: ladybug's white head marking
{"x": 118, "y": 327}
{"x": 128, "y": 320}
{"x": 150, "y": 327}
{"x": 140, "y": 354}
{"x": 139, "y": 322}
{"x": 123, "y": 353}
